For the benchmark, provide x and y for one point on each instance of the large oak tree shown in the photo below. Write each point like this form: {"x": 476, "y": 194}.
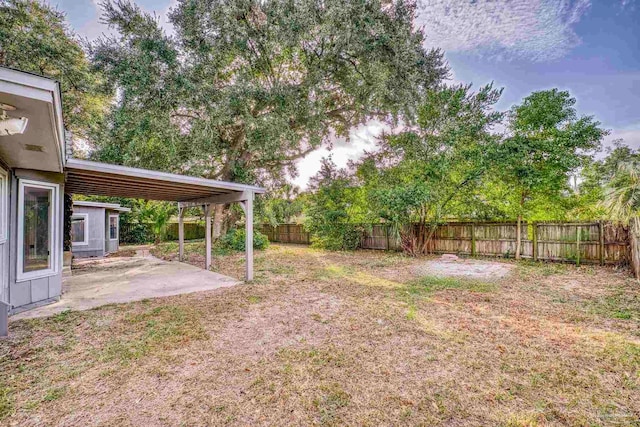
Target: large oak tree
{"x": 245, "y": 88}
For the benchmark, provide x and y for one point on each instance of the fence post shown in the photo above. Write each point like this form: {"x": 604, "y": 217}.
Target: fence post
{"x": 601, "y": 238}
{"x": 577, "y": 245}
{"x": 534, "y": 249}
{"x": 386, "y": 234}
{"x": 473, "y": 239}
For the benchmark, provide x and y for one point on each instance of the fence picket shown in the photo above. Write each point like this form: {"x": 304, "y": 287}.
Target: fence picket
{"x": 582, "y": 242}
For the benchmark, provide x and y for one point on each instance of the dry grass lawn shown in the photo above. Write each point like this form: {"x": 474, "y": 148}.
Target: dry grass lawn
{"x": 324, "y": 338}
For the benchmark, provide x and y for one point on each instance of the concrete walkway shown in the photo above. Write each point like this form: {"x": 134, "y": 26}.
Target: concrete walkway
{"x": 125, "y": 279}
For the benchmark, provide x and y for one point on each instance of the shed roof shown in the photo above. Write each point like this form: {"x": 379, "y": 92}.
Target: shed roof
{"x": 94, "y": 178}
{"x": 110, "y": 206}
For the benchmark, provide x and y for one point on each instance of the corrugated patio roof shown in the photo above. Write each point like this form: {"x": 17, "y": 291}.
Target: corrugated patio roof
{"x": 102, "y": 179}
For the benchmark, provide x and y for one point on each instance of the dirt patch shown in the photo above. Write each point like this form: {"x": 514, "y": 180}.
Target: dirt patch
{"x": 299, "y": 319}
{"x": 123, "y": 253}
{"x": 460, "y": 267}
{"x": 107, "y": 264}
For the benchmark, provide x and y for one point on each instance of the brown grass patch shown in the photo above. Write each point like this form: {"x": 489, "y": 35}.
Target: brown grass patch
{"x": 323, "y": 338}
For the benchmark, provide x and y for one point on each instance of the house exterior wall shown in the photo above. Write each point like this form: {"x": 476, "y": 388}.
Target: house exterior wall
{"x": 95, "y": 246}
{"x": 24, "y": 294}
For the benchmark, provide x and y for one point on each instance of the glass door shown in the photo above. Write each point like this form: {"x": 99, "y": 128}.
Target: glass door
{"x": 37, "y": 237}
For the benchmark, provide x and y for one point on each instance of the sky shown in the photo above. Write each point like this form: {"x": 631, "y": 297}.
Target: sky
{"x": 589, "y": 47}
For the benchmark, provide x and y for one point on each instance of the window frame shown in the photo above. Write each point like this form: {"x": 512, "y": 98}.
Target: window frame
{"x": 85, "y": 217}
{"x": 4, "y": 198}
{"x": 54, "y": 252}
{"x": 117, "y": 217}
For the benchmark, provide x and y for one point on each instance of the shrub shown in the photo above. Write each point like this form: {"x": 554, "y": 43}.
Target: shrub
{"x": 337, "y": 236}
{"x": 136, "y": 233}
{"x": 234, "y": 239}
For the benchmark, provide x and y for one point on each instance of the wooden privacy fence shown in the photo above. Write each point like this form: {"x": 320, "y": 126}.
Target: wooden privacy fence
{"x": 601, "y": 242}
{"x": 590, "y": 242}
{"x": 286, "y": 233}
{"x": 192, "y": 231}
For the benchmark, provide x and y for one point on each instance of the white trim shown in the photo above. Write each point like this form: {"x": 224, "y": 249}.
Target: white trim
{"x": 54, "y": 251}
{"x": 4, "y": 201}
{"x": 111, "y": 206}
{"x": 28, "y": 79}
{"x": 117, "y": 217}
{"x": 85, "y": 216}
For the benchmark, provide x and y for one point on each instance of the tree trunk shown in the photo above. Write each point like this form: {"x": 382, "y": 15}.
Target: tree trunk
{"x": 218, "y": 219}
{"x": 519, "y": 236}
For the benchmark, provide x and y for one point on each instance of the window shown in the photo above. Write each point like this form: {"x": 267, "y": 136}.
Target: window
{"x": 4, "y": 198}
{"x": 113, "y": 227}
{"x": 37, "y": 235}
{"x": 80, "y": 229}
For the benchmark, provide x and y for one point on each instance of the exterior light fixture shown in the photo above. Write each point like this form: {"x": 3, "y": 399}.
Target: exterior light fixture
{"x": 11, "y": 125}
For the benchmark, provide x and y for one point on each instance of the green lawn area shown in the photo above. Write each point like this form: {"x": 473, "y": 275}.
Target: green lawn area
{"x": 326, "y": 338}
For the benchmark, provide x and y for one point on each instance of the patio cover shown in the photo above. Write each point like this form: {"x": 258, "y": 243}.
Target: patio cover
{"x": 102, "y": 179}
{"x": 93, "y": 178}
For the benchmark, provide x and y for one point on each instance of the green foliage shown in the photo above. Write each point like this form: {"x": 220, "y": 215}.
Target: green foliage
{"x": 235, "y": 240}
{"x": 337, "y": 237}
{"x": 612, "y": 185}
{"x": 335, "y": 207}
{"x": 587, "y": 200}
{"x": 425, "y": 169}
{"x": 547, "y": 142}
{"x": 147, "y": 221}
{"x": 136, "y": 233}
{"x": 157, "y": 214}
{"x": 453, "y": 165}
{"x": 264, "y": 84}
{"x": 35, "y": 37}
{"x": 622, "y": 193}
{"x": 280, "y": 206}
{"x": 429, "y": 172}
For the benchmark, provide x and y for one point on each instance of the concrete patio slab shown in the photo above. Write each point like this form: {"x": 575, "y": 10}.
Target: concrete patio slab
{"x": 125, "y": 279}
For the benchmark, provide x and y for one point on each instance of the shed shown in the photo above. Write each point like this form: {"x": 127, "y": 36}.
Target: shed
{"x": 95, "y": 228}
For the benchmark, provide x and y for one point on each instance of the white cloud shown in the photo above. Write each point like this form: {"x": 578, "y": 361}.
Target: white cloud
{"x": 630, "y": 136}
{"x": 538, "y": 30}
{"x": 630, "y": 3}
{"x": 362, "y": 138}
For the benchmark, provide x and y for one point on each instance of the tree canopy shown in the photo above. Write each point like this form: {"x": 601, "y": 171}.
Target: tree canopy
{"x": 245, "y": 88}
{"x": 421, "y": 174}
{"x": 454, "y": 164}
{"x": 546, "y": 141}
